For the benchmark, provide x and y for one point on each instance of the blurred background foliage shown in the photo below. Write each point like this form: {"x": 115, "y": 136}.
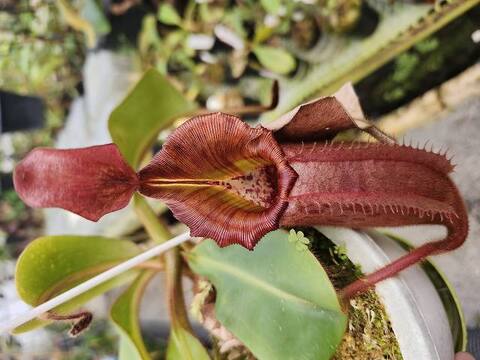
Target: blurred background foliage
{"x": 40, "y": 54}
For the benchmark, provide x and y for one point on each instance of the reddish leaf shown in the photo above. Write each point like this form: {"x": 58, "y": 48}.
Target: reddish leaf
{"x": 90, "y": 182}
{"x": 222, "y": 178}
{"x": 321, "y": 118}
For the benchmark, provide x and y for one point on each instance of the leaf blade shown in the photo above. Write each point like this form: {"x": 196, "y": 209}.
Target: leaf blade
{"x": 275, "y": 59}
{"x": 159, "y": 104}
{"x": 90, "y": 182}
{"x": 183, "y": 345}
{"x": 276, "y": 290}
{"x": 53, "y": 264}
{"x": 124, "y": 314}
{"x": 168, "y": 15}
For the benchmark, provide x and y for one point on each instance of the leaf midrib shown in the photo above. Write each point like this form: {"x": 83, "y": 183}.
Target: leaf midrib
{"x": 266, "y": 286}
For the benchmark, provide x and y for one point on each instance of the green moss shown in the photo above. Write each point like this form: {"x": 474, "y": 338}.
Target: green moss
{"x": 369, "y": 334}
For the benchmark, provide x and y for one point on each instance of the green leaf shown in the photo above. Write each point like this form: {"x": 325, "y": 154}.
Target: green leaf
{"x": 168, "y": 15}
{"x": 184, "y": 346}
{"x": 299, "y": 239}
{"x": 53, "y": 264}
{"x": 271, "y": 6}
{"x": 148, "y": 37}
{"x": 275, "y": 59}
{"x": 124, "y": 314}
{"x": 93, "y": 13}
{"x": 77, "y": 22}
{"x": 151, "y": 106}
{"x": 278, "y": 301}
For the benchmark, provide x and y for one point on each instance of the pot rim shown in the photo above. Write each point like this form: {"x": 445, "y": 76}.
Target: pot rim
{"x": 414, "y": 307}
{"x": 445, "y": 290}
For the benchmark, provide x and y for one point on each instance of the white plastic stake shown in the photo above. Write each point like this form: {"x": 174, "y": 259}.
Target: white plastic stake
{"x": 91, "y": 283}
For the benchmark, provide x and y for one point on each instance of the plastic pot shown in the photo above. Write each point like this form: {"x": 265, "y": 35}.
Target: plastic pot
{"x": 18, "y": 112}
{"x": 420, "y": 303}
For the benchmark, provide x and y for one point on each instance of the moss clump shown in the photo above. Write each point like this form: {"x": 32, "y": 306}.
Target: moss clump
{"x": 369, "y": 334}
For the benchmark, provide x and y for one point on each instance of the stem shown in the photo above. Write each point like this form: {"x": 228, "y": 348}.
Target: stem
{"x": 151, "y": 265}
{"x": 81, "y": 320}
{"x": 157, "y": 230}
{"x": 173, "y": 271}
{"x": 361, "y": 285}
{"x": 244, "y": 110}
{"x": 175, "y": 298}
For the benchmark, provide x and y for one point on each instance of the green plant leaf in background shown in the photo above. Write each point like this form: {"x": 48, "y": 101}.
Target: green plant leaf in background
{"x": 53, "y": 264}
{"x": 77, "y": 22}
{"x": 124, "y": 314}
{"x": 277, "y": 300}
{"x": 168, "y": 15}
{"x": 271, "y": 6}
{"x": 92, "y": 11}
{"x": 354, "y": 57}
{"x": 275, "y": 59}
{"x": 151, "y": 106}
{"x": 148, "y": 37}
{"x": 182, "y": 345}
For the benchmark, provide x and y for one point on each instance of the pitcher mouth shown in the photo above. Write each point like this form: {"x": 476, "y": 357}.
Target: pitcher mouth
{"x": 222, "y": 178}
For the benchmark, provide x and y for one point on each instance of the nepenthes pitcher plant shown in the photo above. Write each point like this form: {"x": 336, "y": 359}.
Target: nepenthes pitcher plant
{"x": 234, "y": 183}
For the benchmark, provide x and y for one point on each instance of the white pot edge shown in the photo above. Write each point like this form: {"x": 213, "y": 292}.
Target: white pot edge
{"x": 411, "y": 301}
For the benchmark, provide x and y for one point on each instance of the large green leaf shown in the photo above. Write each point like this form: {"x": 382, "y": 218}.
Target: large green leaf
{"x": 276, "y": 299}
{"x": 151, "y": 106}
{"x": 124, "y": 314}
{"x": 349, "y": 57}
{"x": 182, "y": 345}
{"x": 53, "y": 264}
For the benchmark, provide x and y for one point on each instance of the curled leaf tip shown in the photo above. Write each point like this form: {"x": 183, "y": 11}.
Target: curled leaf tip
{"x": 90, "y": 182}
{"x": 321, "y": 118}
{"x": 222, "y": 178}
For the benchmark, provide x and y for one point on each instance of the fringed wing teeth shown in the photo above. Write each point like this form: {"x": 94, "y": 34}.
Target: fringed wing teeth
{"x": 223, "y": 179}
{"x": 90, "y": 182}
